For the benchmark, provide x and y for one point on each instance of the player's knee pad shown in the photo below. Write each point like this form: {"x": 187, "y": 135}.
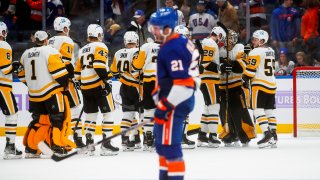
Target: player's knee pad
{"x": 214, "y": 109}
{"x": 57, "y": 120}
{"x": 12, "y": 119}
{"x": 107, "y": 117}
{"x": 128, "y": 115}
{"x": 75, "y": 111}
{"x": 258, "y": 112}
{"x": 169, "y": 152}
{"x": 269, "y": 113}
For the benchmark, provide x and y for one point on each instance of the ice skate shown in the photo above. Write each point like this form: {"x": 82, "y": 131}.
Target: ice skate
{"x": 107, "y": 149}
{"x": 230, "y": 141}
{"x": 266, "y": 141}
{"x": 137, "y": 141}
{"x": 202, "y": 139}
{"x": 127, "y": 145}
{"x": 78, "y": 141}
{"x": 89, "y": 141}
{"x": 213, "y": 141}
{"x": 148, "y": 142}
{"x": 11, "y": 152}
{"x": 186, "y": 143}
{"x": 31, "y": 154}
{"x": 275, "y": 138}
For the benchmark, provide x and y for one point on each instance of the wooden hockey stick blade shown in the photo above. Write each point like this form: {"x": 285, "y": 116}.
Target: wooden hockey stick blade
{"x": 58, "y": 158}
{"x": 193, "y": 131}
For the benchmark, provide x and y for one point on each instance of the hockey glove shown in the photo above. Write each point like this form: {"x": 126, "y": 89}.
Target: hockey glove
{"x": 245, "y": 81}
{"x": 225, "y": 68}
{"x": 201, "y": 69}
{"x": 15, "y": 66}
{"x": 107, "y": 89}
{"x": 163, "y": 110}
{"x": 247, "y": 48}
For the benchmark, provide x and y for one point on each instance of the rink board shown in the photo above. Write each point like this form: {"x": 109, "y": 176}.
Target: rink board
{"x": 284, "y": 101}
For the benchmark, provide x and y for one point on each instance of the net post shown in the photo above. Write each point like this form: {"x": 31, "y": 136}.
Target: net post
{"x": 295, "y": 102}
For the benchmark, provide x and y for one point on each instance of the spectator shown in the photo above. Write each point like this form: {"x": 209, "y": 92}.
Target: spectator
{"x": 301, "y": 59}
{"x": 54, "y": 9}
{"x": 283, "y": 67}
{"x": 170, "y": 3}
{"x": 115, "y": 40}
{"x": 228, "y": 15}
{"x": 35, "y": 14}
{"x": 140, "y": 22}
{"x": 185, "y": 9}
{"x": 285, "y": 27}
{"x": 201, "y": 23}
{"x": 258, "y": 17}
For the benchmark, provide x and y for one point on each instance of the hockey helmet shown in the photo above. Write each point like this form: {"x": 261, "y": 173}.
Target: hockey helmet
{"x": 164, "y": 17}
{"x": 131, "y": 37}
{"x": 261, "y": 35}
{"x": 181, "y": 29}
{"x": 218, "y": 31}
{"x": 233, "y": 37}
{"x": 60, "y": 23}
{"x": 94, "y": 30}
{"x": 3, "y": 29}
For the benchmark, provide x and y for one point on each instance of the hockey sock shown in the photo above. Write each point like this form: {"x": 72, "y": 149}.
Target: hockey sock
{"x": 107, "y": 124}
{"x": 126, "y": 120}
{"x": 163, "y": 167}
{"x": 11, "y": 127}
{"x": 134, "y": 123}
{"x": 204, "y": 120}
{"x": 271, "y": 118}
{"x": 261, "y": 119}
{"x": 148, "y": 115}
{"x": 90, "y": 123}
{"x": 213, "y": 117}
{"x": 176, "y": 169}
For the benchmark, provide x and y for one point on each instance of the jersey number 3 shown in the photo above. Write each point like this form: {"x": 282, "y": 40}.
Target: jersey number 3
{"x": 176, "y": 65}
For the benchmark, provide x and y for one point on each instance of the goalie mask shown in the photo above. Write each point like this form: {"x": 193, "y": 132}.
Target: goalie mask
{"x": 232, "y": 39}
{"x": 60, "y": 23}
{"x": 3, "y": 29}
{"x": 131, "y": 37}
{"x": 95, "y": 30}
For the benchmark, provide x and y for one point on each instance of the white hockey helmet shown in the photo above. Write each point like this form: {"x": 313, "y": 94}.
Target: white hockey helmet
{"x": 181, "y": 29}
{"x": 94, "y": 30}
{"x": 131, "y": 37}
{"x": 60, "y": 23}
{"x": 3, "y": 29}
{"x": 261, "y": 35}
{"x": 217, "y": 30}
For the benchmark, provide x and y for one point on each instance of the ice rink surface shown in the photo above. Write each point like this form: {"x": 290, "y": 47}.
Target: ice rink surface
{"x": 293, "y": 159}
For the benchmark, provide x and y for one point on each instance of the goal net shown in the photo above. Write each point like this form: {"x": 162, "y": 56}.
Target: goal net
{"x": 306, "y": 101}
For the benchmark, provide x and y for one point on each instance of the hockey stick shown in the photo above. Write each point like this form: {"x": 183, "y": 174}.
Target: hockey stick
{"x": 47, "y": 151}
{"x": 227, "y": 79}
{"x": 129, "y": 107}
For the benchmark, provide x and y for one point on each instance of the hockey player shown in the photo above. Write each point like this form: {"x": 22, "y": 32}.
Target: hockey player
{"x": 210, "y": 79}
{"x": 186, "y": 143}
{"x": 8, "y": 103}
{"x": 64, "y": 44}
{"x": 260, "y": 71}
{"x": 47, "y": 78}
{"x": 130, "y": 85}
{"x": 147, "y": 64}
{"x": 92, "y": 72}
{"x": 238, "y": 123}
{"x": 177, "y": 65}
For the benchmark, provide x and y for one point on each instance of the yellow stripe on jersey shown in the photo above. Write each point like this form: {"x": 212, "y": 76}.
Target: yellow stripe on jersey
{"x": 139, "y": 61}
{"x": 252, "y": 65}
{"x": 56, "y": 66}
{"x": 5, "y": 63}
{"x": 100, "y": 58}
{"x": 273, "y": 85}
{"x": 43, "y": 88}
{"x": 256, "y": 88}
{"x": 21, "y": 76}
{"x": 77, "y": 70}
{"x": 91, "y": 86}
{"x": 113, "y": 67}
{"x": 66, "y": 52}
{"x": 88, "y": 77}
{"x": 47, "y": 96}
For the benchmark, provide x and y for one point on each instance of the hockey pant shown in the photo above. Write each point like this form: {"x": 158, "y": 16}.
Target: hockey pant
{"x": 239, "y": 122}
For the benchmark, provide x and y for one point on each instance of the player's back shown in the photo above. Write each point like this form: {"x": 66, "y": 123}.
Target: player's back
{"x": 64, "y": 45}
{"x": 211, "y": 54}
{"x": 121, "y": 64}
{"x": 150, "y": 66}
{"x": 262, "y": 61}
{"x": 5, "y": 65}
{"x": 42, "y": 65}
{"x": 87, "y": 54}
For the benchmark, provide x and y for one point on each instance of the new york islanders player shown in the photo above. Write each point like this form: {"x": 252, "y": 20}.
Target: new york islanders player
{"x": 64, "y": 44}
{"x": 130, "y": 87}
{"x": 8, "y": 103}
{"x": 92, "y": 72}
{"x": 210, "y": 79}
{"x": 260, "y": 71}
{"x": 177, "y": 67}
{"x": 238, "y": 123}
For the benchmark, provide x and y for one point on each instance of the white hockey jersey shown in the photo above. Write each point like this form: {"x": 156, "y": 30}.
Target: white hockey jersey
{"x": 122, "y": 64}
{"x": 42, "y": 66}
{"x": 147, "y": 61}
{"x": 201, "y": 25}
{"x": 234, "y": 79}
{"x": 64, "y": 45}
{"x": 5, "y": 66}
{"x": 181, "y": 20}
{"x": 211, "y": 54}
{"x": 261, "y": 68}
{"x": 92, "y": 56}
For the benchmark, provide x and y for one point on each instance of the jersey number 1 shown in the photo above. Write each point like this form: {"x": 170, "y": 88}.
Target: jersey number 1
{"x": 33, "y": 76}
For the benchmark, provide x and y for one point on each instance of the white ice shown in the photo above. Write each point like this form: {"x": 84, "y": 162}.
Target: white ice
{"x": 293, "y": 159}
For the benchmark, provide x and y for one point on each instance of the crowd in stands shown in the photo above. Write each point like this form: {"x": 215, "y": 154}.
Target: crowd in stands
{"x": 293, "y": 25}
